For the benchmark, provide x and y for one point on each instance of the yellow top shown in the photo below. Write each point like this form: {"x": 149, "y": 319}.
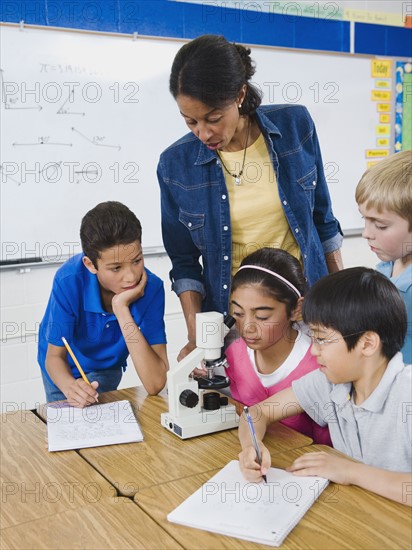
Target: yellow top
{"x": 256, "y": 213}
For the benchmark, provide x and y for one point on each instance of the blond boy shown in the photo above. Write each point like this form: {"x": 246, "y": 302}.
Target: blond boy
{"x": 384, "y": 196}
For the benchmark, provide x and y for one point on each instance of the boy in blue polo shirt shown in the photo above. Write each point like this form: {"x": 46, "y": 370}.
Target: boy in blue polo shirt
{"x": 107, "y": 305}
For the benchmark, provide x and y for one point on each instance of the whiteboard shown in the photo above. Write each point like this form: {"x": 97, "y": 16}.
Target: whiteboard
{"x": 91, "y": 131}
{"x": 86, "y": 116}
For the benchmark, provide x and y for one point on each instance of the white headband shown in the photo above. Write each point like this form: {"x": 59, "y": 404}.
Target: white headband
{"x": 288, "y": 283}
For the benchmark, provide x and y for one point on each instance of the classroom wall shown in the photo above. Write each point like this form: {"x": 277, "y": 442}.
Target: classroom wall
{"x": 25, "y": 290}
{"x": 24, "y": 294}
{"x": 65, "y": 153}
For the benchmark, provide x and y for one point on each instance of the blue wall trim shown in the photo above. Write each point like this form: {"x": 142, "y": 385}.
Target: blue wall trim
{"x": 184, "y": 20}
{"x": 383, "y": 40}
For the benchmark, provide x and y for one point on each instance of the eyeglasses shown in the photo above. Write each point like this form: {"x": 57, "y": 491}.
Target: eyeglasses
{"x": 324, "y": 341}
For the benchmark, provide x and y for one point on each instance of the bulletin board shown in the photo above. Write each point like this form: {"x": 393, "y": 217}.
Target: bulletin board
{"x": 403, "y": 106}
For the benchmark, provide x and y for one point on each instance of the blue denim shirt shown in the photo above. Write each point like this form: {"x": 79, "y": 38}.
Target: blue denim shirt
{"x": 195, "y": 205}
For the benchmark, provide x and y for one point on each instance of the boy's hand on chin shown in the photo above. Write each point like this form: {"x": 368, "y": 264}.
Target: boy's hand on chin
{"x": 126, "y": 297}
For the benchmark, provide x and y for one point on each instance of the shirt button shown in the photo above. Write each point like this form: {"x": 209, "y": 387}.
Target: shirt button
{"x": 107, "y": 326}
{"x": 226, "y": 258}
{"x": 225, "y": 287}
{"x": 223, "y": 197}
{"x": 305, "y": 256}
{"x": 296, "y": 230}
{"x": 225, "y": 313}
{"x": 225, "y": 228}
{"x": 314, "y": 182}
{"x": 189, "y": 224}
{"x": 285, "y": 202}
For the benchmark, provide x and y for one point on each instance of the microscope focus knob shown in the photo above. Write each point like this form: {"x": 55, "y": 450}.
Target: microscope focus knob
{"x": 189, "y": 398}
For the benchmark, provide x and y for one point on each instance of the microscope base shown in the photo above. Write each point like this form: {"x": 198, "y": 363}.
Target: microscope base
{"x": 205, "y": 422}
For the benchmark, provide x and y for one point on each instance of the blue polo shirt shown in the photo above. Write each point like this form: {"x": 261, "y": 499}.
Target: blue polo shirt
{"x": 403, "y": 283}
{"x": 75, "y": 311}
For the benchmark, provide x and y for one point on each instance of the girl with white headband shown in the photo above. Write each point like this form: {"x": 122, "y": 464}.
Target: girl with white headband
{"x": 271, "y": 349}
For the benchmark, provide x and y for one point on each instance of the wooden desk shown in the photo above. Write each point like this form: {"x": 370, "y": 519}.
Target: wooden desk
{"x": 343, "y": 517}
{"x": 36, "y": 483}
{"x": 113, "y": 523}
{"x": 162, "y": 456}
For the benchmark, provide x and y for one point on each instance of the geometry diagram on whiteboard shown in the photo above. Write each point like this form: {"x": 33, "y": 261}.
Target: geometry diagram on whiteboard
{"x": 96, "y": 140}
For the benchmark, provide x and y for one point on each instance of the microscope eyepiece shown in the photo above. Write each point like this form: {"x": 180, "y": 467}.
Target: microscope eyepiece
{"x": 229, "y": 321}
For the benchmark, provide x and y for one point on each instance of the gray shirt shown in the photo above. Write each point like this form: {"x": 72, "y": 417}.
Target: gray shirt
{"x": 378, "y": 432}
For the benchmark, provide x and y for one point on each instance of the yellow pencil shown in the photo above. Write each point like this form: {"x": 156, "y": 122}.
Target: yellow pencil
{"x": 69, "y": 349}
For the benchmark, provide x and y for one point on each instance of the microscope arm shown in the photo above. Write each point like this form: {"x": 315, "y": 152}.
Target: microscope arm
{"x": 178, "y": 378}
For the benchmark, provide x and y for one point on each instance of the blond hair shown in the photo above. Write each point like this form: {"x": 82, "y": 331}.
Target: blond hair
{"x": 388, "y": 186}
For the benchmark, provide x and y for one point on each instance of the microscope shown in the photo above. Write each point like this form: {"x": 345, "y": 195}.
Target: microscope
{"x": 194, "y": 408}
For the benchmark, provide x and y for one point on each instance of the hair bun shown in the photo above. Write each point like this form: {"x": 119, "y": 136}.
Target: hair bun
{"x": 248, "y": 64}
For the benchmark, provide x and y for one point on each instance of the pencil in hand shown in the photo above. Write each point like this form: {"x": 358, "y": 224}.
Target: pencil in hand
{"x": 69, "y": 349}
{"x": 254, "y": 441}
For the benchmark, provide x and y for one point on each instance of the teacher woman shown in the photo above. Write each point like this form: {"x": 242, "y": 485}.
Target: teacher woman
{"x": 245, "y": 177}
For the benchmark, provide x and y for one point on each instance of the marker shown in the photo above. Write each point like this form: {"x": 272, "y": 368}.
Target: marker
{"x": 69, "y": 349}
{"x": 253, "y": 434}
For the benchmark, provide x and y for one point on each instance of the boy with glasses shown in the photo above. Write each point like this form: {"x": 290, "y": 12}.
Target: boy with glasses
{"x": 361, "y": 391}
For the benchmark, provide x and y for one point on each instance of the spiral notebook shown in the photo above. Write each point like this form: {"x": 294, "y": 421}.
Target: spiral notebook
{"x": 105, "y": 424}
{"x": 264, "y": 513}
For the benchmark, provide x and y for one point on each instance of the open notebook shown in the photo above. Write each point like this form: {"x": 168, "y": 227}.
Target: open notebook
{"x": 106, "y": 424}
{"x": 264, "y": 513}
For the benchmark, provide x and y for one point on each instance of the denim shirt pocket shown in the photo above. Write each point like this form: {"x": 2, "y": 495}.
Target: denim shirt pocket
{"x": 308, "y": 184}
{"x": 195, "y": 223}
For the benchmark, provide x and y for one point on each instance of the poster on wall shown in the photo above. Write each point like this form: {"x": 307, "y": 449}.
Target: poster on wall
{"x": 403, "y": 106}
